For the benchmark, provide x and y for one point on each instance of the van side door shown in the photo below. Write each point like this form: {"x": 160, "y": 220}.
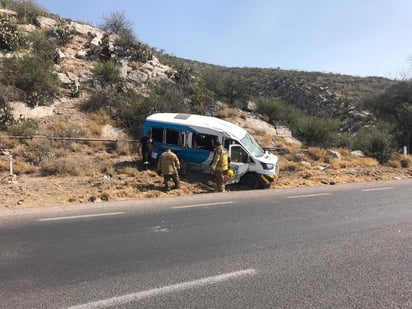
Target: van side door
{"x": 239, "y": 162}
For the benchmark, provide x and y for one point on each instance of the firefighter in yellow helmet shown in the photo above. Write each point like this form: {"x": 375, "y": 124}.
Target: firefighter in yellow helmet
{"x": 219, "y": 166}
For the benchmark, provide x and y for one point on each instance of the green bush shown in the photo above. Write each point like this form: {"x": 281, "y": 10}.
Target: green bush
{"x": 277, "y": 111}
{"x": 317, "y": 131}
{"x": 23, "y": 127}
{"x": 107, "y": 73}
{"x": 6, "y": 115}
{"x": 10, "y": 37}
{"x": 62, "y": 35}
{"x": 41, "y": 47}
{"x": 33, "y": 72}
{"x": 31, "y": 75}
{"x": 375, "y": 142}
{"x": 163, "y": 97}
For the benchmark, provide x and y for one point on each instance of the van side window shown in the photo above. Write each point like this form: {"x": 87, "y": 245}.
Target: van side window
{"x": 174, "y": 137}
{"x": 204, "y": 141}
{"x": 237, "y": 154}
{"x": 228, "y": 142}
{"x": 157, "y": 134}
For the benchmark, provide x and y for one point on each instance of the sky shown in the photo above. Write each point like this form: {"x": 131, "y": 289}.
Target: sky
{"x": 355, "y": 37}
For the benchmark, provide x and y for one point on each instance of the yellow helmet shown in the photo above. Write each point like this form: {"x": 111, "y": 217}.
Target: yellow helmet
{"x": 230, "y": 173}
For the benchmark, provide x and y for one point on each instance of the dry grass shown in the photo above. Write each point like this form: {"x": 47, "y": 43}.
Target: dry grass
{"x": 70, "y": 172}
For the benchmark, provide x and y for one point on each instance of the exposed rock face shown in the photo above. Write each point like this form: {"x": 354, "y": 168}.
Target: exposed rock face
{"x": 45, "y": 22}
{"x": 134, "y": 75}
{"x": 75, "y": 60}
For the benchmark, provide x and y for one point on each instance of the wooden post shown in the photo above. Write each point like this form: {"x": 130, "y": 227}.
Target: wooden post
{"x": 11, "y": 165}
{"x": 405, "y": 150}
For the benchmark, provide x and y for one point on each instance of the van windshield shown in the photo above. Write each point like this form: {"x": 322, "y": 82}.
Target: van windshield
{"x": 252, "y": 146}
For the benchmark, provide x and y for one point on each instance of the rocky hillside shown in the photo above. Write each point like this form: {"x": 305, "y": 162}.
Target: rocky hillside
{"x": 330, "y": 95}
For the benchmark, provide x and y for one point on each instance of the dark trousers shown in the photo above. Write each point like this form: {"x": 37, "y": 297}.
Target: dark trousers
{"x": 174, "y": 177}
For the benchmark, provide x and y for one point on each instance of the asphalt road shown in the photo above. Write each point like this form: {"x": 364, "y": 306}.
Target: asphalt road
{"x": 344, "y": 246}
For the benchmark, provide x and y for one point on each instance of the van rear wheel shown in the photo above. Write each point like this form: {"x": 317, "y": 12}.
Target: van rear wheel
{"x": 251, "y": 181}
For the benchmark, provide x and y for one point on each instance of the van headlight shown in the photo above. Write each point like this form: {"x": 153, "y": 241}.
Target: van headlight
{"x": 267, "y": 166}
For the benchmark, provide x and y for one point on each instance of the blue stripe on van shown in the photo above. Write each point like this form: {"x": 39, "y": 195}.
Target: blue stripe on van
{"x": 191, "y": 155}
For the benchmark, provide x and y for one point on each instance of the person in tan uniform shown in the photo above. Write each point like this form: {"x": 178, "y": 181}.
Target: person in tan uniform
{"x": 169, "y": 166}
{"x": 220, "y": 166}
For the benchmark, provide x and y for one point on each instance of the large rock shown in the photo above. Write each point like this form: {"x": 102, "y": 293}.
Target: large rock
{"x": 137, "y": 76}
{"x": 45, "y": 22}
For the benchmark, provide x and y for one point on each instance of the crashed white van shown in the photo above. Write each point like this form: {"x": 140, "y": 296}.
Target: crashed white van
{"x": 193, "y": 138}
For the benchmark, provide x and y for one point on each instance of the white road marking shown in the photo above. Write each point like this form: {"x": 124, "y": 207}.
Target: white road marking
{"x": 308, "y": 195}
{"x": 203, "y": 205}
{"x": 377, "y": 189}
{"x": 83, "y": 216}
{"x": 128, "y": 298}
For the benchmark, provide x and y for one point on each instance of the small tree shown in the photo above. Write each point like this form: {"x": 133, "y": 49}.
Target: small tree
{"x": 395, "y": 107}
{"x": 117, "y": 23}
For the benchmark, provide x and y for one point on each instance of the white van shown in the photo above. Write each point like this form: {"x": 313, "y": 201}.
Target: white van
{"x": 193, "y": 139}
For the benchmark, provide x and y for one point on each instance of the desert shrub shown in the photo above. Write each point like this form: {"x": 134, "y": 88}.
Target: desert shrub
{"x": 38, "y": 151}
{"x": 163, "y": 97}
{"x": 107, "y": 73}
{"x": 101, "y": 101}
{"x": 42, "y": 48}
{"x": 117, "y": 23}
{"x": 134, "y": 50}
{"x": 62, "y": 35}
{"x": 6, "y": 115}
{"x": 23, "y": 127}
{"x": 183, "y": 74}
{"x": 32, "y": 76}
{"x": 7, "y": 142}
{"x": 10, "y": 36}
{"x": 33, "y": 72}
{"x": 286, "y": 165}
{"x": 10, "y": 93}
{"x": 317, "y": 131}
{"x": 276, "y": 110}
{"x": 127, "y": 44}
{"x": 316, "y": 154}
{"x": 381, "y": 145}
{"x": 374, "y": 142}
{"x": 65, "y": 129}
{"x": 19, "y": 166}
{"x": 63, "y": 166}
{"x": 101, "y": 117}
{"x": 94, "y": 128}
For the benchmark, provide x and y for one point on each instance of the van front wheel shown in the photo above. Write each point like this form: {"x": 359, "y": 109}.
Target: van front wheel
{"x": 250, "y": 180}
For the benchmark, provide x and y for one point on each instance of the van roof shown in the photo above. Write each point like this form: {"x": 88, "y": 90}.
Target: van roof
{"x": 199, "y": 122}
